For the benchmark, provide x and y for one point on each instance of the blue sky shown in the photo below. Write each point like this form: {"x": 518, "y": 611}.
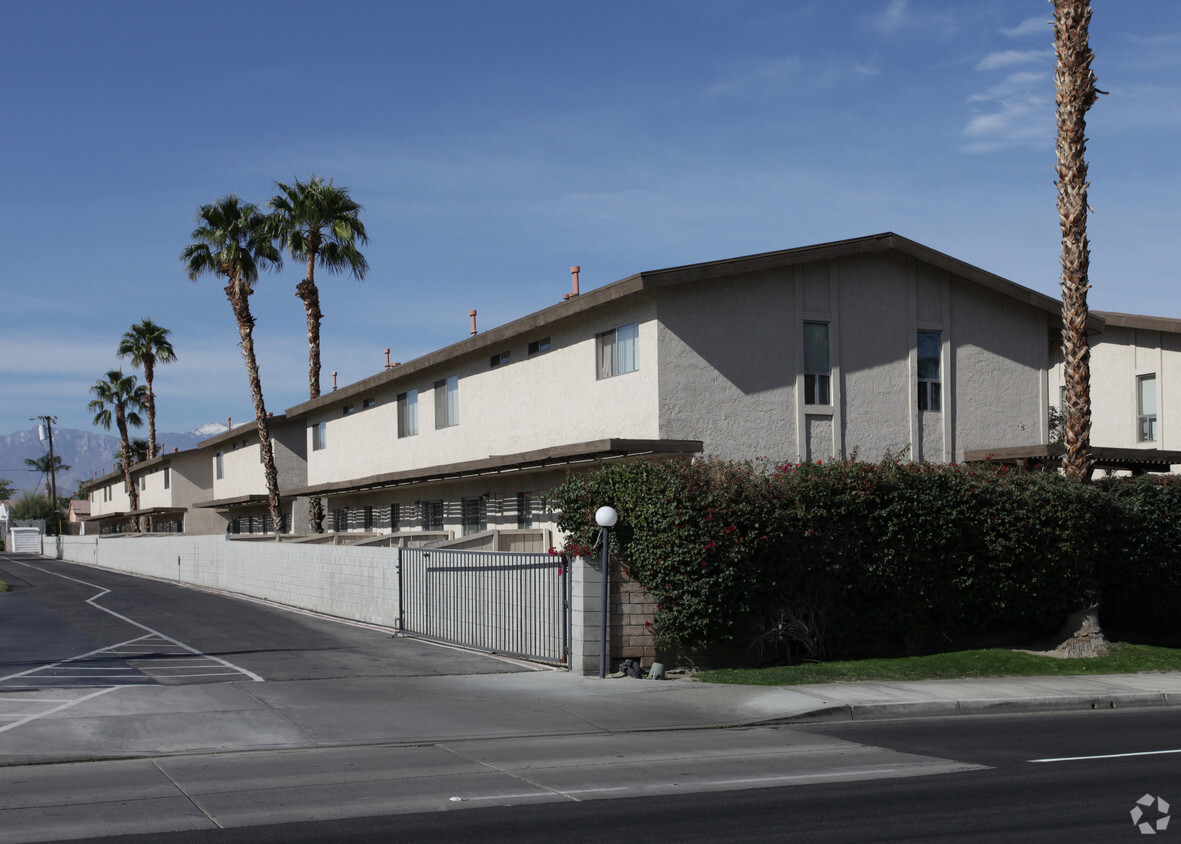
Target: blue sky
{"x": 493, "y": 145}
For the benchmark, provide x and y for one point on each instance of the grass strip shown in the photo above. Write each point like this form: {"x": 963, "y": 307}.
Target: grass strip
{"x": 1123, "y": 658}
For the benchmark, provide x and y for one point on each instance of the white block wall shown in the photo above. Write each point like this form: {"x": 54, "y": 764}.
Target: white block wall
{"x": 348, "y": 582}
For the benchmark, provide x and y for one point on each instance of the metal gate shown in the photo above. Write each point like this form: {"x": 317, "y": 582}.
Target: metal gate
{"x": 513, "y": 604}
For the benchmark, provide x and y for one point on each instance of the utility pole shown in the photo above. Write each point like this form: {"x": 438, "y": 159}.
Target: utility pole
{"x": 49, "y": 421}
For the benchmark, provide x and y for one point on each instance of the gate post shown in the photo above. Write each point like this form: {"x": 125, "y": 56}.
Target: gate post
{"x": 586, "y": 608}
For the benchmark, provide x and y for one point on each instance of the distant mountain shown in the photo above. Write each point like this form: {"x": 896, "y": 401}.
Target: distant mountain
{"x": 89, "y": 454}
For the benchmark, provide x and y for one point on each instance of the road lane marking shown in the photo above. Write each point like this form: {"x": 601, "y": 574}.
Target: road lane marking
{"x": 66, "y": 705}
{"x": 1107, "y": 756}
{"x": 102, "y": 591}
{"x": 575, "y": 793}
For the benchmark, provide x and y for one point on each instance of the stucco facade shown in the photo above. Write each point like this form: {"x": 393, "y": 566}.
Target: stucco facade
{"x": 867, "y": 347}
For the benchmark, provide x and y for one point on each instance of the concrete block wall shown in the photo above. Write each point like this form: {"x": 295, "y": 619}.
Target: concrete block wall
{"x": 344, "y": 581}
{"x": 632, "y": 612}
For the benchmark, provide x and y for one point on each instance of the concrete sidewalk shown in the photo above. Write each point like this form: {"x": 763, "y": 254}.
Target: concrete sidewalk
{"x": 86, "y": 724}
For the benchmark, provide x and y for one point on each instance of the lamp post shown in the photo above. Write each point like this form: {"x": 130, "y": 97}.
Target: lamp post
{"x": 605, "y": 518}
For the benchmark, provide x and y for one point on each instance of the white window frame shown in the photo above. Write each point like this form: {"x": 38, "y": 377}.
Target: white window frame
{"x": 320, "y": 436}
{"x": 818, "y": 378}
{"x": 447, "y": 402}
{"x": 1146, "y": 421}
{"x": 407, "y": 414}
{"x": 930, "y": 388}
{"x": 617, "y": 351}
{"x": 219, "y": 467}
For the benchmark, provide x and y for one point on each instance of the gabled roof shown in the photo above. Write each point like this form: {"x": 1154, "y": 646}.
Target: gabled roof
{"x": 1150, "y": 323}
{"x": 537, "y": 323}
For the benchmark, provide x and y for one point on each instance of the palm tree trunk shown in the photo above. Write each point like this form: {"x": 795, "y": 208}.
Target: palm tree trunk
{"x": 1076, "y": 92}
{"x": 132, "y": 492}
{"x": 241, "y": 305}
{"x": 310, "y": 294}
{"x": 150, "y": 405}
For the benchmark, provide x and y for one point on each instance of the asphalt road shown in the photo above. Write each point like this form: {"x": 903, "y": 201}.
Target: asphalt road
{"x": 1086, "y": 795}
{"x": 58, "y": 611}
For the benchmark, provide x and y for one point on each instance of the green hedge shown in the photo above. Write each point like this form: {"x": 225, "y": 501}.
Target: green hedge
{"x": 816, "y": 557}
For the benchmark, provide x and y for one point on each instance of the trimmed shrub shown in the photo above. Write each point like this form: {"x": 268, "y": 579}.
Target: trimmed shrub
{"x": 814, "y": 557}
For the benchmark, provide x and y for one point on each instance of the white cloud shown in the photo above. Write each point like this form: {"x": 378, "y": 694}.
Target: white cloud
{"x": 1029, "y": 26}
{"x": 1014, "y": 84}
{"x": 770, "y": 77}
{"x": 1024, "y": 121}
{"x": 1008, "y": 58}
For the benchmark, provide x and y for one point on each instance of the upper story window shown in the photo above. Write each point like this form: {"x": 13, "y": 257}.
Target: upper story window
{"x": 817, "y": 369}
{"x": 499, "y": 359}
{"x": 930, "y": 383}
{"x": 616, "y": 351}
{"x": 447, "y": 402}
{"x": 219, "y": 466}
{"x": 367, "y": 403}
{"x": 143, "y": 482}
{"x": 408, "y": 413}
{"x": 1146, "y": 408}
{"x": 167, "y": 477}
{"x": 539, "y": 346}
{"x": 319, "y": 436}
{"x": 347, "y": 409}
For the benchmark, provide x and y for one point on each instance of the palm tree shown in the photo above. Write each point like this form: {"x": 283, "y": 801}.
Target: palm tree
{"x": 119, "y": 397}
{"x": 43, "y": 465}
{"x": 138, "y": 450}
{"x": 147, "y": 345}
{"x": 1075, "y": 84}
{"x": 318, "y": 223}
{"x": 232, "y": 240}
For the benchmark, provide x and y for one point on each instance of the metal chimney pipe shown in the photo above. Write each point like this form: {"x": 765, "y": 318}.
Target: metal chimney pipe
{"x": 228, "y": 425}
{"x": 573, "y": 284}
{"x": 387, "y": 358}
{"x": 472, "y": 314}
{"x": 334, "y": 380}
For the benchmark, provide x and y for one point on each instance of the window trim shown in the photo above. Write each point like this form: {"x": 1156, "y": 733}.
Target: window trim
{"x": 615, "y": 355}
{"x": 817, "y": 381}
{"x": 407, "y": 403}
{"x": 320, "y": 435}
{"x": 1146, "y": 423}
{"x": 447, "y": 402}
{"x": 929, "y": 390}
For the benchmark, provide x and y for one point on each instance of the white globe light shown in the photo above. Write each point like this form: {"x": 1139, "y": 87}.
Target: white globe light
{"x": 606, "y": 517}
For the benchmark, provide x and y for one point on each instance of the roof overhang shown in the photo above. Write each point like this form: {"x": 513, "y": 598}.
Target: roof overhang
{"x": 499, "y": 464}
{"x": 1130, "y": 459}
{"x": 232, "y": 503}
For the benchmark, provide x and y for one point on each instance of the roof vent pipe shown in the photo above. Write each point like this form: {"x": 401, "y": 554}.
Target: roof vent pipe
{"x": 472, "y": 314}
{"x": 228, "y": 425}
{"x": 334, "y": 380}
{"x": 573, "y": 283}
{"x": 387, "y": 358}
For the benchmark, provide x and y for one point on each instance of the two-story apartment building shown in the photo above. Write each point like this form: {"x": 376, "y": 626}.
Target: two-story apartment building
{"x": 869, "y": 347}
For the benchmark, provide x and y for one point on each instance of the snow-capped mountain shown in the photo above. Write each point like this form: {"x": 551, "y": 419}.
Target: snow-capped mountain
{"x": 89, "y": 454}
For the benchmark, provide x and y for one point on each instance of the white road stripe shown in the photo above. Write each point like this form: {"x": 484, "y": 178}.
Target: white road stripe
{"x": 1107, "y": 756}
{"x": 67, "y": 705}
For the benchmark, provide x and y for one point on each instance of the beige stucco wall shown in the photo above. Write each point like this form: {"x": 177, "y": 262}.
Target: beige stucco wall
{"x": 551, "y": 398}
{"x": 119, "y": 501}
{"x": 1118, "y": 355}
{"x": 731, "y": 369}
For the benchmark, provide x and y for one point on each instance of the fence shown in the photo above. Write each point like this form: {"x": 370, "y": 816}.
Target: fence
{"x": 514, "y": 604}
